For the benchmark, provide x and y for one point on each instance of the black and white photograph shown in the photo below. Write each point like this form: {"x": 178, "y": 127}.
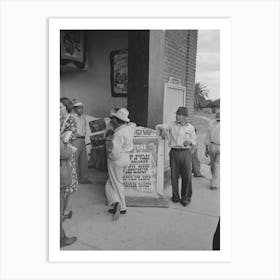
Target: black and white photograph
{"x": 164, "y": 118}
{"x": 140, "y": 142}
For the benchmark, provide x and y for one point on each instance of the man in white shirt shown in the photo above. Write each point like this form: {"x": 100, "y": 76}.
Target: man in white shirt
{"x": 80, "y": 144}
{"x": 181, "y": 138}
{"x": 212, "y": 148}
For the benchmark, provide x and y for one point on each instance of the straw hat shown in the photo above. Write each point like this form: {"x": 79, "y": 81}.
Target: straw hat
{"x": 121, "y": 114}
{"x": 78, "y": 104}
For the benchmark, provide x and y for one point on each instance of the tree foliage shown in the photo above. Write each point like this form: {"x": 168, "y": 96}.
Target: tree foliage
{"x": 201, "y": 99}
{"x": 201, "y": 89}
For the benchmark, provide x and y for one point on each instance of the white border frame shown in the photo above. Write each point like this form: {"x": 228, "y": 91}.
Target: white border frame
{"x": 222, "y": 24}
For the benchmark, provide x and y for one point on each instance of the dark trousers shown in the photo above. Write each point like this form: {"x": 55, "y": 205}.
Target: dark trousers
{"x": 181, "y": 165}
{"x": 216, "y": 238}
{"x": 62, "y": 203}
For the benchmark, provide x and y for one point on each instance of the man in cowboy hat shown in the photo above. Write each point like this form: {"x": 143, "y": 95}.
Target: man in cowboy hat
{"x": 181, "y": 138}
{"x": 118, "y": 160}
{"x": 80, "y": 144}
{"x": 212, "y": 149}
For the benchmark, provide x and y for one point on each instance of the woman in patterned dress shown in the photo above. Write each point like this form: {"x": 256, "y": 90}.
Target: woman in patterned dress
{"x": 68, "y": 127}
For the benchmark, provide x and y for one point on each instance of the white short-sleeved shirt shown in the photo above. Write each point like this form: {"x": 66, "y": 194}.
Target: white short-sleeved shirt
{"x": 178, "y": 133}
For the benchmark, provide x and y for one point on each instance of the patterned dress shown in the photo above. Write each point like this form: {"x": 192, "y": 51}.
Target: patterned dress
{"x": 69, "y": 127}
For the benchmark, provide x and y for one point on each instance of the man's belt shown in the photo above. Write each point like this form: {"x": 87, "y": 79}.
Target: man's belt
{"x": 180, "y": 149}
{"x": 81, "y": 137}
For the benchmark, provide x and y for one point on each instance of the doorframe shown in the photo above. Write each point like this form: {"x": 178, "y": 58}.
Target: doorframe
{"x": 172, "y": 85}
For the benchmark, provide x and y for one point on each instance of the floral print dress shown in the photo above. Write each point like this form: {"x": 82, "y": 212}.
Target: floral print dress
{"x": 68, "y": 129}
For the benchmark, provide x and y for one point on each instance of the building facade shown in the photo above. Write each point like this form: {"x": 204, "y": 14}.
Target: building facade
{"x": 153, "y": 57}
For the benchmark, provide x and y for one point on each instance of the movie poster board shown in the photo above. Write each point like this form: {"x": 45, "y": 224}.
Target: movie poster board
{"x": 142, "y": 175}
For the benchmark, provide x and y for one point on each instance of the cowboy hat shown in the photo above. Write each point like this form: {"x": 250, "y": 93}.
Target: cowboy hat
{"x": 121, "y": 114}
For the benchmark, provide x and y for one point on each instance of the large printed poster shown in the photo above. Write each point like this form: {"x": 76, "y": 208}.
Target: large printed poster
{"x": 141, "y": 174}
{"x": 119, "y": 73}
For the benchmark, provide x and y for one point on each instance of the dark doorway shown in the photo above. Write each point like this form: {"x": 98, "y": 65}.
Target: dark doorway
{"x": 138, "y": 76}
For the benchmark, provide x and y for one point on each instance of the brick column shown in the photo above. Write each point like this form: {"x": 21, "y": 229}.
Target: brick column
{"x": 180, "y": 61}
{"x": 190, "y": 69}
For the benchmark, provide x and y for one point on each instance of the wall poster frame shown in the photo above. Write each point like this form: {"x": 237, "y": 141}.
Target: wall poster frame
{"x": 119, "y": 73}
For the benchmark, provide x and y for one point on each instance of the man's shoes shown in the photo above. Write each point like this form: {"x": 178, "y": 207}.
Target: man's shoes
{"x": 66, "y": 241}
{"x": 85, "y": 182}
{"x": 185, "y": 203}
{"x": 175, "y": 200}
{"x": 112, "y": 211}
{"x": 213, "y": 188}
{"x": 116, "y": 211}
{"x": 67, "y": 216}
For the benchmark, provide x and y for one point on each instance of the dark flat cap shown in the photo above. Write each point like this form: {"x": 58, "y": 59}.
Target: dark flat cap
{"x": 182, "y": 111}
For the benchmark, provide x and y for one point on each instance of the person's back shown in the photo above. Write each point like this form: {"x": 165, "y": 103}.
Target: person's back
{"x": 214, "y": 132}
{"x": 118, "y": 160}
{"x": 125, "y": 134}
{"x": 212, "y": 149}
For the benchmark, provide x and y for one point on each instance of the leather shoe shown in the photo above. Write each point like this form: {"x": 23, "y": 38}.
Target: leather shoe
{"x": 66, "y": 241}
{"x": 67, "y": 216}
{"x": 175, "y": 200}
{"x": 185, "y": 203}
{"x": 213, "y": 188}
{"x": 112, "y": 211}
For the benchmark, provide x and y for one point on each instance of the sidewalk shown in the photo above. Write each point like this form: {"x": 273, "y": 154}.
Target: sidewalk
{"x": 173, "y": 228}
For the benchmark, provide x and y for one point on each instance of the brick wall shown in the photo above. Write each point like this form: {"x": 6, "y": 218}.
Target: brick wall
{"x": 180, "y": 60}
{"x": 191, "y": 68}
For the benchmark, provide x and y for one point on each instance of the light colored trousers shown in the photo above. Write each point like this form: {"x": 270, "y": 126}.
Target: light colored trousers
{"x": 114, "y": 187}
{"x": 81, "y": 159}
{"x": 214, "y": 152}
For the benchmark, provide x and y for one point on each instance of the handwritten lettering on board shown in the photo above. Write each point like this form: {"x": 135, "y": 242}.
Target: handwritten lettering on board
{"x": 141, "y": 174}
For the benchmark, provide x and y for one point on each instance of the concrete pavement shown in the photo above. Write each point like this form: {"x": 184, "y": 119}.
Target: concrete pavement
{"x": 142, "y": 228}
{"x": 173, "y": 228}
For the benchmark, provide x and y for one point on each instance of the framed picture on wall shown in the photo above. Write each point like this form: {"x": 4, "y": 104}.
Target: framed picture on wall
{"x": 119, "y": 73}
{"x": 72, "y": 45}
{"x": 97, "y": 125}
